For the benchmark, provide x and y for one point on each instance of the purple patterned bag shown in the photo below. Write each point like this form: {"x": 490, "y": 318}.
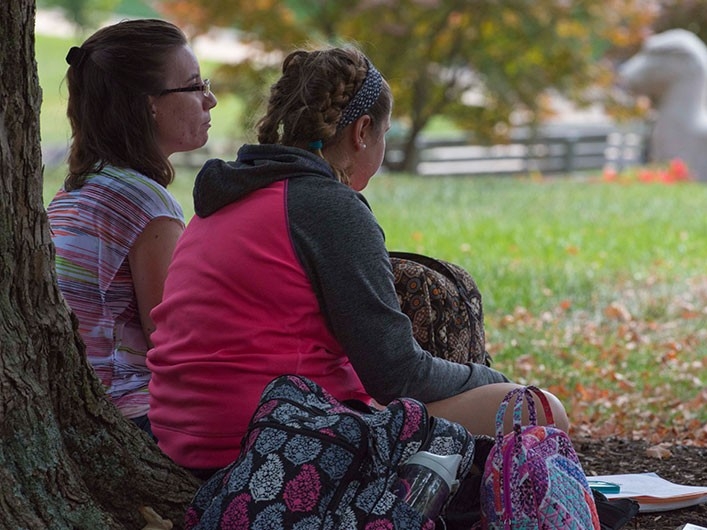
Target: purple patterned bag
{"x": 310, "y": 461}
{"x": 533, "y": 479}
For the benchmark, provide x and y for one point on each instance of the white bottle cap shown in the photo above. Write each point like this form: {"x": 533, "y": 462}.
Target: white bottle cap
{"x": 445, "y": 466}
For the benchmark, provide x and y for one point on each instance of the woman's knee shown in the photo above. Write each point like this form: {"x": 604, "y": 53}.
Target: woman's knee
{"x": 559, "y": 413}
{"x": 476, "y": 409}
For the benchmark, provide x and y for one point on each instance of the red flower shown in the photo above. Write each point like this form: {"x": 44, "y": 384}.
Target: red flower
{"x": 610, "y": 174}
{"x": 679, "y": 170}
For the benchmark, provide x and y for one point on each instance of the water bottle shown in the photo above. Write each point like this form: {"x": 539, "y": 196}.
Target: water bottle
{"x": 425, "y": 481}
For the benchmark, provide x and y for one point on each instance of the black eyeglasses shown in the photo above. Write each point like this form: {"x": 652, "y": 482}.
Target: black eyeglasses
{"x": 204, "y": 88}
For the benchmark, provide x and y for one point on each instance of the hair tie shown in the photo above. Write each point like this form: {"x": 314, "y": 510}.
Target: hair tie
{"x": 315, "y": 144}
{"x": 364, "y": 99}
{"x": 76, "y": 56}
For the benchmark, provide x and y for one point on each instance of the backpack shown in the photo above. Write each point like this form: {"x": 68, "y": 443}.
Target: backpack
{"x": 443, "y": 303}
{"x": 310, "y": 461}
{"x": 533, "y": 479}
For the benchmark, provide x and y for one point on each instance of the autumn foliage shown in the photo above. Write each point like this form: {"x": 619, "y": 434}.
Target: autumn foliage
{"x": 485, "y": 66}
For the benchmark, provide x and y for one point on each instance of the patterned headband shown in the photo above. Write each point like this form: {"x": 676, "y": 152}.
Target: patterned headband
{"x": 364, "y": 98}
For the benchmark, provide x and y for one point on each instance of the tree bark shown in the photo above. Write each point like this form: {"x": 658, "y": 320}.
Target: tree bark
{"x": 68, "y": 459}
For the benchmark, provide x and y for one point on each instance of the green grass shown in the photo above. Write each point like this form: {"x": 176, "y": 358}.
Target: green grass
{"x": 567, "y": 236}
{"x": 595, "y": 290}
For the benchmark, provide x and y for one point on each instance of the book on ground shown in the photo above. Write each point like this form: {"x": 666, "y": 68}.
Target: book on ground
{"x": 653, "y": 493}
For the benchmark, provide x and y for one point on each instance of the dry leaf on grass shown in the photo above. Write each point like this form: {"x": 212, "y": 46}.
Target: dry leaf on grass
{"x": 154, "y": 521}
{"x": 618, "y": 311}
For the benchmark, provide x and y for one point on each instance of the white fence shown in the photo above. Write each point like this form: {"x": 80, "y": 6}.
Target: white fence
{"x": 552, "y": 152}
{"x": 555, "y": 151}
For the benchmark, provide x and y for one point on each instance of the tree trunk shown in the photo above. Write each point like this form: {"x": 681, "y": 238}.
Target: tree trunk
{"x": 410, "y": 153}
{"x": 68, "y": 459}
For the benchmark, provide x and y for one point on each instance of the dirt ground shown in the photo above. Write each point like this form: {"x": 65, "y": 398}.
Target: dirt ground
{"x": 686, "y": 465}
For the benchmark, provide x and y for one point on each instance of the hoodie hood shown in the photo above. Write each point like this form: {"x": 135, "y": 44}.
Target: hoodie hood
{"x": 219, "y": 183}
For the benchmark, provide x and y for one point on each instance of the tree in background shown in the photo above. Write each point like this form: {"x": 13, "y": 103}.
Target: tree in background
{"x": 686, "y": 14}
{"x": 487, "y": 66}
{"x": 68, "y": 458}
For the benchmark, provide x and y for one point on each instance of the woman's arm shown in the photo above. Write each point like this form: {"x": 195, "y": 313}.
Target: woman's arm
{"x": 342, "y": 249}
{"x": 149, "y": 259}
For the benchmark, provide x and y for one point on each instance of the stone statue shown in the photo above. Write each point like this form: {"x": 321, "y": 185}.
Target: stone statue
{"x": 671, "y": 69}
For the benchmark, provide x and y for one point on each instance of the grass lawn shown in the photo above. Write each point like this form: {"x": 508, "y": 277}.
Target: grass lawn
{"x": 595, "y": 290}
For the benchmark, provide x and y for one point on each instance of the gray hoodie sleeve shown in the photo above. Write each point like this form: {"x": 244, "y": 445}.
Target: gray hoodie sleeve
{"x": 342, "y": 249}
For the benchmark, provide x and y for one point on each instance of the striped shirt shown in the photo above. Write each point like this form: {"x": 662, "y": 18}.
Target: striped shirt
{"x": 93, "y": 229}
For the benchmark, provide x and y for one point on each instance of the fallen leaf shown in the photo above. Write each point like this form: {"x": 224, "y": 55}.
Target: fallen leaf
{"x": 617, "y": 311}
{"x": 658, "y": 451}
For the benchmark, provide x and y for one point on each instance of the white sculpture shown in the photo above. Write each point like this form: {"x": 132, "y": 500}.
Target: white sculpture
{"x": 671, "y": 69}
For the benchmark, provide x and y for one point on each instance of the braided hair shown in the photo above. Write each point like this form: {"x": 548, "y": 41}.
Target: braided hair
{"x": 308, "y": 103}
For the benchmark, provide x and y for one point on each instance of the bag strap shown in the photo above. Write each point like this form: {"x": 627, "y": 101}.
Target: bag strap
{"x": 547, "y": 410}
{"x": 520, "y": 395}
{"x": 435, "y": 264}
{"x": 432, "y": 263}
{"x": 439, "y": 266}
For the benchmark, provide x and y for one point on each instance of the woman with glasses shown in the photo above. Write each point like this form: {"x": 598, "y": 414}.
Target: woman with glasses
{"x": 136, "y": 96}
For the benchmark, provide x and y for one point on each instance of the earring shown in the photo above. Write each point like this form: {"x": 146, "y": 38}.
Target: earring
{"x": 363, "y": 146}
